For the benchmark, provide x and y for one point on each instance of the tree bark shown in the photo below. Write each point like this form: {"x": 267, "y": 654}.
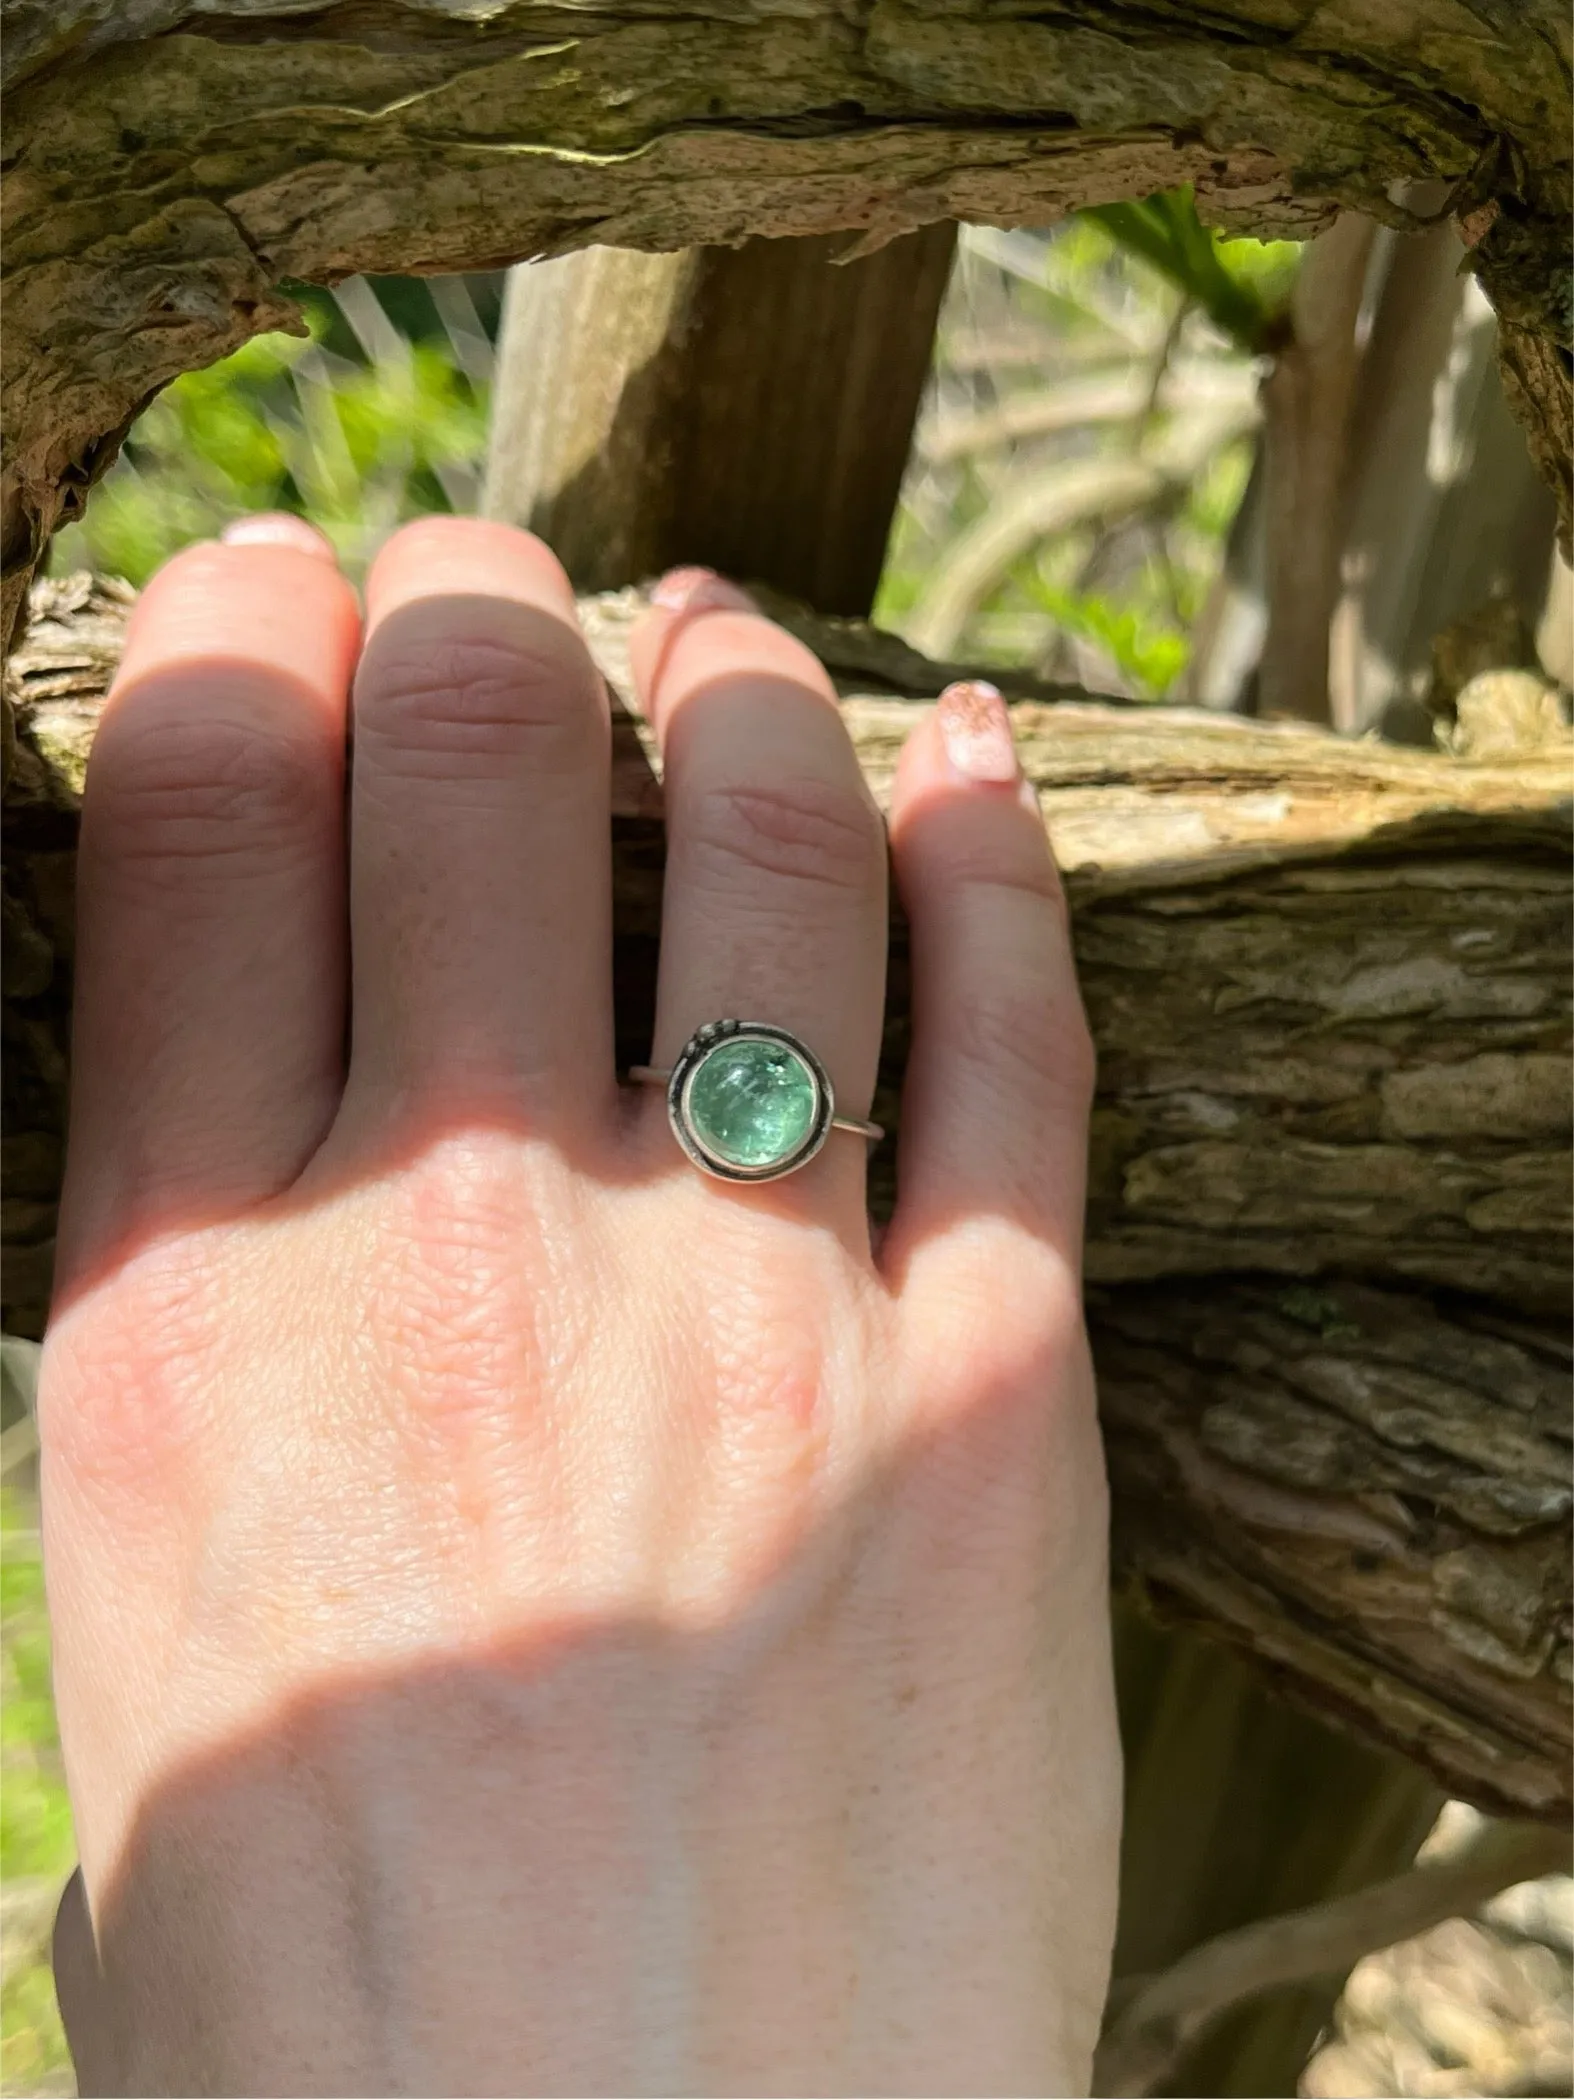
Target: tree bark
{"x": 175, "y": 162}
{"x": 749, "y": 408}
{"x": 1329, "y": 983}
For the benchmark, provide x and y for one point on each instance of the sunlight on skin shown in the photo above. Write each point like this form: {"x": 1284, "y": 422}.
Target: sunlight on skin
{"x": 529, "y": 1617}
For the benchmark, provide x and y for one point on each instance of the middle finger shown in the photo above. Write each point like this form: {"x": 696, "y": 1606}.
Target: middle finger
{"x": 480, "y": 862}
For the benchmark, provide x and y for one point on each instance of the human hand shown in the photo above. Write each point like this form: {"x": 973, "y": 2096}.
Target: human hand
{"x": 530, "y": 1617}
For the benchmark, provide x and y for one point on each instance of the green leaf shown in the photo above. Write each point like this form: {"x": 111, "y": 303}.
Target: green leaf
{"x": 1151, "y": 653}
{"x": 1242, "y": 290}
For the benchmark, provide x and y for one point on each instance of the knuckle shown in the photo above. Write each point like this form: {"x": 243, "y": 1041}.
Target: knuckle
{"x": 806, "y": 831}
{"x": 1030, "y": 1046}
{"x": 127, "y": 1381}
{"x": 1025, "y": 871}
{"x": 478, "y": 698}
{"x": 1010, "y": 1307}
{"x": 455, "y": 1288}
{"x": 188, "y": 784}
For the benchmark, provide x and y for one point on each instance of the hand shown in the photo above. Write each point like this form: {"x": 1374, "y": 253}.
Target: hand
{"x": 530, "y": 1617}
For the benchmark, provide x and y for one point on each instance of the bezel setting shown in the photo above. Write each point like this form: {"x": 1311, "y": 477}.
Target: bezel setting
{"x": 686, "y": 1070}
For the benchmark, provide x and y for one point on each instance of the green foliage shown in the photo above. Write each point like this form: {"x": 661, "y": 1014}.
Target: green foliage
{"x": 1215, "y": 496}
{"x": 1149, "y": 651}
{"x": 1059, "y": 348}
{"x": 36, "y": 1844}
{"x": 379, "y": 414}
{"x": 315, "y": 425}
{"x": 1242, "y": 286}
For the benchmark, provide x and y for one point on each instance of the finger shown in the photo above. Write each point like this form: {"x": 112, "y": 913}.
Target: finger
{"x": 276, "y": 528}
{"x": 999, "y": 1079}
{"x": 480, "y": 857}
{"x": 775, "y": 900}
{"x": 209, "y": 1020}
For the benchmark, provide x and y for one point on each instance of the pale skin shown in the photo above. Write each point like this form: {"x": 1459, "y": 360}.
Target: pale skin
{"x": 530, "y": 1618}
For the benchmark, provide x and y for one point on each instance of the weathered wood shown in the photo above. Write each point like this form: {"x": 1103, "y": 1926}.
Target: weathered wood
{"x": 1139, "y": 2053}
{"x": 1241, "y": 1806}
{"x": 1368, "y": 1491}
{"x": 174, "y": 162}
{"x": 1330, "y": 987}
{"x": 751, "y": 408}
{"x": 1445, "y": 516}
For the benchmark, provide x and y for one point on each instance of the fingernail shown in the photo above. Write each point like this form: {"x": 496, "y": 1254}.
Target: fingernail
{"x": 699, "y": 590}
{"x": 977, "y": 732}
{"x": 277, "y": 528}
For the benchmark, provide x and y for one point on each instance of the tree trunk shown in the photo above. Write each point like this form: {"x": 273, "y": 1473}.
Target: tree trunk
{"x": 749, "y": 408}
{"x": 1327, "y": 1238}
{"x": 175, "y": 162}
{"x": 1446, "y": 519}
{"x": 1306, "y": 402}
{"x": 1439, "y": 517}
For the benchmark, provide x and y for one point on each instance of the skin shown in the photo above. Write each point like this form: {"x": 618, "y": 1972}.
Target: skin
{"x": 530, "y": 1618}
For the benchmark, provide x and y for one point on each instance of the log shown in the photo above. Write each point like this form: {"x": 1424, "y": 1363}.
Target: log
{"x": 1328, "y": 1238}
{"x": 749, "y": 408}
{"x": 175, "y": 163}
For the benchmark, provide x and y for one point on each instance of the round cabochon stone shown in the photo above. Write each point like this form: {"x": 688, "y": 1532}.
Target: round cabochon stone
{"x": 752, "y": 1102}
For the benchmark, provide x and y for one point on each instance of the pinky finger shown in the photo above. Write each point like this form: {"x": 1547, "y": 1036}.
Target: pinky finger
{"x": 1000, "y": 1077}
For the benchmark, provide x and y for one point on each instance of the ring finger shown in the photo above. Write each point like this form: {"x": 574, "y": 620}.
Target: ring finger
{"x": 775, "y": 901}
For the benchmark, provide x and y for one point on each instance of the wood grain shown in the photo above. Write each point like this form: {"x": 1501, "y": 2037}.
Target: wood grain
{"x": 750, "y": 408}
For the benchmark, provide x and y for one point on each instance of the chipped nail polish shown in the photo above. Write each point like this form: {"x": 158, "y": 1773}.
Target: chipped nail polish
{"x": 977, "y": 732}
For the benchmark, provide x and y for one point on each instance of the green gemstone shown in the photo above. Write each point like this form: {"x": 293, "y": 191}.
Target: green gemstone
{"x": 752, "y": 1102}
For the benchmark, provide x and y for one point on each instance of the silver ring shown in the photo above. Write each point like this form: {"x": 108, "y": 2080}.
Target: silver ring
{"x": 749, "y": 1102}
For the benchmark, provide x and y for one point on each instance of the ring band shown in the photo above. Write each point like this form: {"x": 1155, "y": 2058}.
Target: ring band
{"x": 748, "y": 1101}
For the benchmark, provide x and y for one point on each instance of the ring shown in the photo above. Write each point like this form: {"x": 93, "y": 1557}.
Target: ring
{"x": 749, "y": 1102}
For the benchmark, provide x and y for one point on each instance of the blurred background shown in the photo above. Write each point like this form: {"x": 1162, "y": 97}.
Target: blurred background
{"x": 1130, "y": 429}
{"x": 1165, "y": 467}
